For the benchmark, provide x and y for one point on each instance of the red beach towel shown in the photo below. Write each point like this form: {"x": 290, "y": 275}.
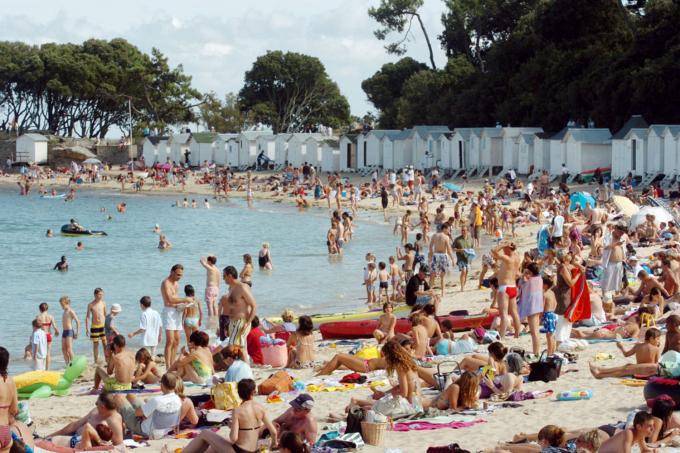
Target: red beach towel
{"x": 580, "y": 299}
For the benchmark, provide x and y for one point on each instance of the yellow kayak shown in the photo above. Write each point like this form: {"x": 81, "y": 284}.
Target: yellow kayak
{"x": 318, "y": 319}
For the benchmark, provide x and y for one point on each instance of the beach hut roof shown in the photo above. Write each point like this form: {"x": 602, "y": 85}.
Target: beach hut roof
{"x": 156, "y": 139}
{"x": 595, "y": 136}
{"x": 424, "y": 131}
{"x": 227, "y": 137}
{"x": 253, "y": 135}
{"x": 493, "y": 132}
{"x": 517, "y": 131}
{"x": 204, "y": 137}
{"x": 35, "y": 137}
{"x": 181, "y": 138}
{"x": 332, "y": 142}
{"x": 634, "y": 122}
{"x": 381, "y": 133}
{"x": 351, "y": 137}
{"x": 465, "y": 132}
{"x": 673, "y": 130}
{"x": 659, "y": 129}
{"x": 528, "y": 138}
{"x": 637, "y": 131}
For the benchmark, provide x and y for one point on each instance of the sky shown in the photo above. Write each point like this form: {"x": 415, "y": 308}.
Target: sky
{"x": 217, "y": 41}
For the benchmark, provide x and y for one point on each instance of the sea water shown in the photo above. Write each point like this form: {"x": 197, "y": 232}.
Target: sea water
{"x": 127, "y": 264}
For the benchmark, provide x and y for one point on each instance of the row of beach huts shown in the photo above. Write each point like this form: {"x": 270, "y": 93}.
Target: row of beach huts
{"x": 638, "y": 148}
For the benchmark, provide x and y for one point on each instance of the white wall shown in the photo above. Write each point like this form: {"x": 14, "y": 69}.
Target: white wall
{"x": 150, "y": 153}
{"x": 558, "y": 156}
{"x": 525, "y": 157}
{"x": 621, "y": 159}
{"x": 347, "y": 147}
{"x": 374, "y": 151}
{"x": 330, "y": 158}
{"x": 670, "y": 149}
{"x": 387, "y": 154}
{"x": 655, "y": 153}
{"x": 595, "y": 156}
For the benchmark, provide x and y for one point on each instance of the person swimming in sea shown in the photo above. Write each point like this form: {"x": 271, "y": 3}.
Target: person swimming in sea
{"x": 163, "y": 243}
{"x": 62, "y": 265}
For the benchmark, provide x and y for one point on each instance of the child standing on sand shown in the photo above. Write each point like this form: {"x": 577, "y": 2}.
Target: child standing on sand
{"x": 68, "y": 334}
{"x": 395, "y": 276}
{"x": 49, "y": 325}
{"x": 110, "y": 330}
{"x": 39, "y": 349}
{"x": 549, "y": 316}
{"x": 370, "y": 283}
{"x": 384, "y": 282}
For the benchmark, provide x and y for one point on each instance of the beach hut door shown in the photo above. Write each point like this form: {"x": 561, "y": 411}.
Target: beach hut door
{"x": 365, "y": 154}
{"x": 349, "y": 156}
{"x": 633, "y": 160}
{"x": 461, "y": 155}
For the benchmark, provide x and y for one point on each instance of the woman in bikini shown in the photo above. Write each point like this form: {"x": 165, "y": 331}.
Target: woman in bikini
{"x": 246, "y": 274}
{"x": 192, "y": 315}
{"x": 196, "y": 364}
{"x": 301, "y": 345}
{"x": 247, "y": 422}
{"x": 8, "y": 402}
{"x": 461, "y": 395}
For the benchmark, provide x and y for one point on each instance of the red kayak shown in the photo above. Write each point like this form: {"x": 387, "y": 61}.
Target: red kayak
{"x": 364, "y": 329}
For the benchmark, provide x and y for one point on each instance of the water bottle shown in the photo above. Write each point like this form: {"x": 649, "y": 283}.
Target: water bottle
{"x": 417, "y": 404}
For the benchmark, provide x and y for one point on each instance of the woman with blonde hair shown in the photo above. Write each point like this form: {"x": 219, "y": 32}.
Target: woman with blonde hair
{"x": 188, "y": 418}
{"x": 264, "y": 258}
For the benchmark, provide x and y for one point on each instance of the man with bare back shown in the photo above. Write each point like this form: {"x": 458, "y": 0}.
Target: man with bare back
{"x": 441, "y": 255}
{"x": 212, "y": 284}
{"x": 508, "y": 270}
{"x": 240, "y": 306}
{"x": 172, "y": 317}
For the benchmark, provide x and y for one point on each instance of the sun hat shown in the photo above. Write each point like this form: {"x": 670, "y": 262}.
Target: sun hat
{"x": 116, "y": 308}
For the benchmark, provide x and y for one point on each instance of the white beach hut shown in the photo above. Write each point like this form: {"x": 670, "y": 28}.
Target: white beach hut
{"x": 587, "y": 150}
{"x": 465, "y": 147}
{"x": 655, "y": 161}
{"x": 179, "y": 145}
{"x": 512, "y": 142}
{"x": 491, "y": 149}
{"x": 348, "y": 152}
{"x": 628, "y": 148}
{"x": 267, "y": 143}
{"x": 671, "y": 149}
{"x": 281, "y": 148}
{"x": 298, "y": 146}
{"x": 163, "y": 150}
{"x": 371, "y": 145}
{"x": 31, "y": 148}
{"x": 233, "y": 146}
{"x": 423, "y": 153}
{"x": 447, "y": 159}
{"x": 248, "y": 146}
{"x": 312, "y": 147}
{"x": 541, "y": 159}
{"x": 202, "y": 148}
{"x": 221, "y": 156}
{"x": 150, "y": 150}
{"x": 330, "y": 155}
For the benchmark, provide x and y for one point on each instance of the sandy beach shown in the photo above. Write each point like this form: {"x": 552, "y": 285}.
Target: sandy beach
{"x": 611, "y": 402}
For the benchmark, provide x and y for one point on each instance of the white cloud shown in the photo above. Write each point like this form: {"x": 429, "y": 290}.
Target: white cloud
{"x": 216, "y": 49}
{"x": 176, "y": 23}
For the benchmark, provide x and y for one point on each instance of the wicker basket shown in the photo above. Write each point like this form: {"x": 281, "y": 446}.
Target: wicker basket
{"x": 373, "y": 433}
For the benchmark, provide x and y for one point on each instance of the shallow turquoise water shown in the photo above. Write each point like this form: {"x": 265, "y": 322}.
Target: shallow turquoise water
{"x": 127, "y": 264}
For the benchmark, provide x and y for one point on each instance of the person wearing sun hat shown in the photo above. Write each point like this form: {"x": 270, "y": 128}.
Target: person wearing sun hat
{"x": 110, "y": 330}
{"x": 299, "y": 419}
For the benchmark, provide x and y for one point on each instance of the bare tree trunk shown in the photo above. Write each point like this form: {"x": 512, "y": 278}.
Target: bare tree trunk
{"x": 427, "y": 39}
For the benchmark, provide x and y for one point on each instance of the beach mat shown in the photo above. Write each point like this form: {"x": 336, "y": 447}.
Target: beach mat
{"x": 609, "y": 340}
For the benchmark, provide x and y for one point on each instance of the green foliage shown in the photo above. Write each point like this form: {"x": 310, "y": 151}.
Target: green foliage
{"x": 83, "y": 90}
{"x": 291, "y": 91}
{"x": 223, "y": 116}
{"x": 385, "y": 87}
{"x": 541, "y": 63}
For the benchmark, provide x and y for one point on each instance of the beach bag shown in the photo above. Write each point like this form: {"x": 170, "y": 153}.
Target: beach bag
{"x": 546, "y": 369}
{"x": 278, "y": 382}
{"x": 355, "y": 416}
{"x": 394, "y": 407}
{"x": 275, "y": 355}
{"x": 441, "y": 379}
{"x": 225, "y": 396}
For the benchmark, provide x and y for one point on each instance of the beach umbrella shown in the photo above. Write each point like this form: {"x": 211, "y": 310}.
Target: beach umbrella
{"x": 626, "y": 205}
{"x": 452, "y": 187}
{"x": 92, "y": 160}
{"x": 582, "y": 199}
{"x": 659, "y": 213}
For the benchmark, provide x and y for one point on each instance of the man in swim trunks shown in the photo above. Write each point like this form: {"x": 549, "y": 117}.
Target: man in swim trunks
{"x": 212, "y": 284}
{"x": 441, "y": 255}
{"x": 240, "y": 307}
{"x": 299, "y": 419}
{"x": 68, "y": 334}
{"x": 172, "y": 318}
{"x": 118, "y": 374}
{"x": 508, "y": 270}
{"x": 95, "y": 330}
{"x": 461, "y": 245}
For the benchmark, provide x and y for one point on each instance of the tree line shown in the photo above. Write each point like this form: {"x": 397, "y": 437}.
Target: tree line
{"x": 533, "y": 63}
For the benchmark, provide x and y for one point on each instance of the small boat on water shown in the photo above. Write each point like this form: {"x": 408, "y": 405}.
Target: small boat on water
{"x": 47, "y": 197}
{"x": 67, "y": 230}
{"x": 365, "y": 328}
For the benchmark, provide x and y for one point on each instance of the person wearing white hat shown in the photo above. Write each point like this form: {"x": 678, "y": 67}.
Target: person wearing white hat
{"x": 110, "y": 330}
